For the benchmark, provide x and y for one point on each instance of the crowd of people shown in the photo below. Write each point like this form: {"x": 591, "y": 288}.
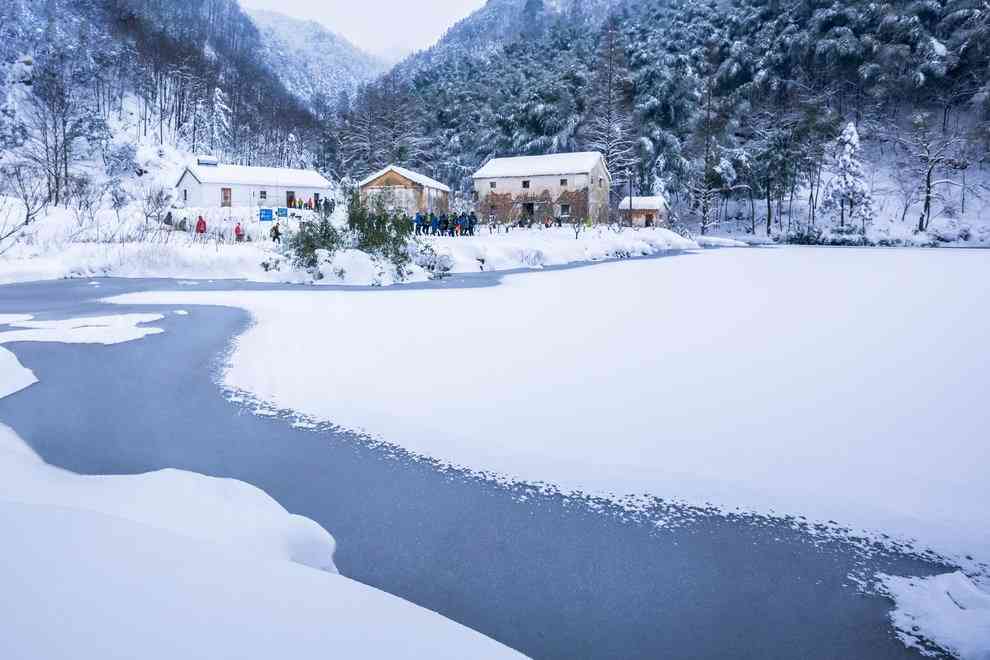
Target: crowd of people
{"x": 466, "y": 224}
{"x": 431, "y": 224}
{"x": 325, "y": 206}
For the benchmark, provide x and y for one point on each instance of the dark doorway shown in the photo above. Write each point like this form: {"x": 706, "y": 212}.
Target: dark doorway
{"x": 290, "y": 198}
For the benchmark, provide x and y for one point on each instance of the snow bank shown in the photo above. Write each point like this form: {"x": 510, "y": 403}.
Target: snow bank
{"x": 842, "y": 385}
{"x": 948, "y": 611}
{"x": 718, "y": 242}
{"x": 355, "y": 267}
{"x": 179, "y": 259}
{"x": 537, "y": 248}
{"x": 176, "y": 565}
{"x": 230, "y": 514}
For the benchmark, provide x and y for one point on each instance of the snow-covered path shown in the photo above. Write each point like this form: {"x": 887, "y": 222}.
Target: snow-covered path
{"x": 841, "y": 385}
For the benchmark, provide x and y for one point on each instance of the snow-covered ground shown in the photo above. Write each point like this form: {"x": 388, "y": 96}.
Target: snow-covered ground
{"x": 842, "y": 385}
{"x": 61, "y": 245}
{"x": 172, "y": 564}
{"x": 537, "y": 248}
{"x": 946, "y": 610}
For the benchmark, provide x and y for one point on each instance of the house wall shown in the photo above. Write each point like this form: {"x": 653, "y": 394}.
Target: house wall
{"x": 587, "y": 194}
{"x": 537, "y": 184}
{"x": 598, "y": 193}
{"x": 397, "y": 192}
{"x": 406, "y": 199}
{"x": 192, "y": 194}
{"x": 637, "y": 217}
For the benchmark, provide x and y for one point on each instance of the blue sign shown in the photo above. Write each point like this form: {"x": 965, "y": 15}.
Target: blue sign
{"x": 283, "y": 212}
{"x": 266, "y": 215}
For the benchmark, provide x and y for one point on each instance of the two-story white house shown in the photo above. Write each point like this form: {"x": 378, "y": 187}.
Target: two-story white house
{"x": 568, "y": 186}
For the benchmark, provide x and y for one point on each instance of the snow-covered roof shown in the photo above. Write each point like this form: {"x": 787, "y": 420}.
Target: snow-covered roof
{"x": 421, "y": 179}
{"x": 551, "y": 164}
{"x": 257, "y": 176}
{"x": 654, "y": 203}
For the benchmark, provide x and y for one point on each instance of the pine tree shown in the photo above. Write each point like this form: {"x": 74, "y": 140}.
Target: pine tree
{"x": 219, "y": 123}
{"x": 848, "y": 193}
{"x": 610, "y": 127}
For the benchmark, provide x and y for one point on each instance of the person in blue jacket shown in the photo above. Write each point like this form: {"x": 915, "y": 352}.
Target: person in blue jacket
{"x": 434, "y": 224}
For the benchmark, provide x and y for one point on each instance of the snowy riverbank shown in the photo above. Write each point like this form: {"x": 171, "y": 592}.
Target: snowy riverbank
{"x": 174, "y": 564}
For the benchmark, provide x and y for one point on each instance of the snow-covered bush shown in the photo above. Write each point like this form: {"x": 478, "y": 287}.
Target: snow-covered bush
{"x": 424, "y": 255}
{"x": 385, "y": 238}
{"x": 315, "y": 242}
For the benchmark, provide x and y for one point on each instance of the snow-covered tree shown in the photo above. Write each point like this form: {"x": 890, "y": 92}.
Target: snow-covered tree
{"x": 610, "y": 129}
{"x": 219, "y": 122}
{"x": 931, "y": 152}
{"x": 848, "y": 193}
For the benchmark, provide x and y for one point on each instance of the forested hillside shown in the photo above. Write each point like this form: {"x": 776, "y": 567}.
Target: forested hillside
{"x": 90, "y": 84}
{"x": 740, "y": 103}
{"x": 752, "y": 112}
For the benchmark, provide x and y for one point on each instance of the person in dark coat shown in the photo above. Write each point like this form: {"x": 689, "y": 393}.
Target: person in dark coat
{"x": 472, "y": 223}
{"x": 276, "y": 233}
{"x": 434, "y": 224}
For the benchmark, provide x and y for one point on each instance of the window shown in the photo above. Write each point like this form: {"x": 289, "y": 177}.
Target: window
{"x": 525, "y": 185}
{"x": 601, "y": 181}
{"x": 185, "y": 194}
{"x": 565, "y": 210}
{"x": 493, "y": 185}
{"x": 290, "y": 198}
{"x": 225, "y": 196}
{"x": 563, "y": 183}
{"x": 263, "y": 195}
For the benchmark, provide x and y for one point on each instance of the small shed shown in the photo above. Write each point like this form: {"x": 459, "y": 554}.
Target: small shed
{"x": 400, "y": 189}
{"x": 209, "y": 183}
{"x": 644, "y": 211}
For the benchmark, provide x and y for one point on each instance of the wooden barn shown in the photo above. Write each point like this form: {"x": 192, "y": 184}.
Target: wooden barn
{"x": 400, "y": 189}
{"x": 566, "y": 186}
{"x": 209, "y": 183}
{"x": 644, "y": 211}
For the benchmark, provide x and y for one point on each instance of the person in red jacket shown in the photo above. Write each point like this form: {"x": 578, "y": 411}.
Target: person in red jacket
{"x": 201, "y": 228}
{"x": 239, "y": 233}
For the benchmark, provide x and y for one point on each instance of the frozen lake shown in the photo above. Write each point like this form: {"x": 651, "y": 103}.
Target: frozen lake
{"x": 549, "y": 575}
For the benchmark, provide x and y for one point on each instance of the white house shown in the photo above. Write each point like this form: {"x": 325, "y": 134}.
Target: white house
{"x": 405, "y": 190}
{"x": 573, "y": 185}
{"x": 209, "y": 183}
{"x": 644, "y": 211}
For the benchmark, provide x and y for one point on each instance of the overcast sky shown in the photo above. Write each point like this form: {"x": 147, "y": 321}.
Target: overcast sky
{"x": 391, "y": 28}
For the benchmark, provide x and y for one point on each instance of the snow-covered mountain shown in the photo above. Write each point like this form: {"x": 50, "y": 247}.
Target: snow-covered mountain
{"x": 311, "y": 60}
{"x": 500, "y": 22}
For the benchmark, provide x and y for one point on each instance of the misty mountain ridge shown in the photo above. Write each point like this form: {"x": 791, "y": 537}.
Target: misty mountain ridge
{"x": 311, "y": 60}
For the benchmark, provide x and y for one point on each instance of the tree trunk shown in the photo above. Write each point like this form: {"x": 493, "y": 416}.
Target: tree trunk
{"x": 769, "y": 210}
{"x": 927, "y": 210}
